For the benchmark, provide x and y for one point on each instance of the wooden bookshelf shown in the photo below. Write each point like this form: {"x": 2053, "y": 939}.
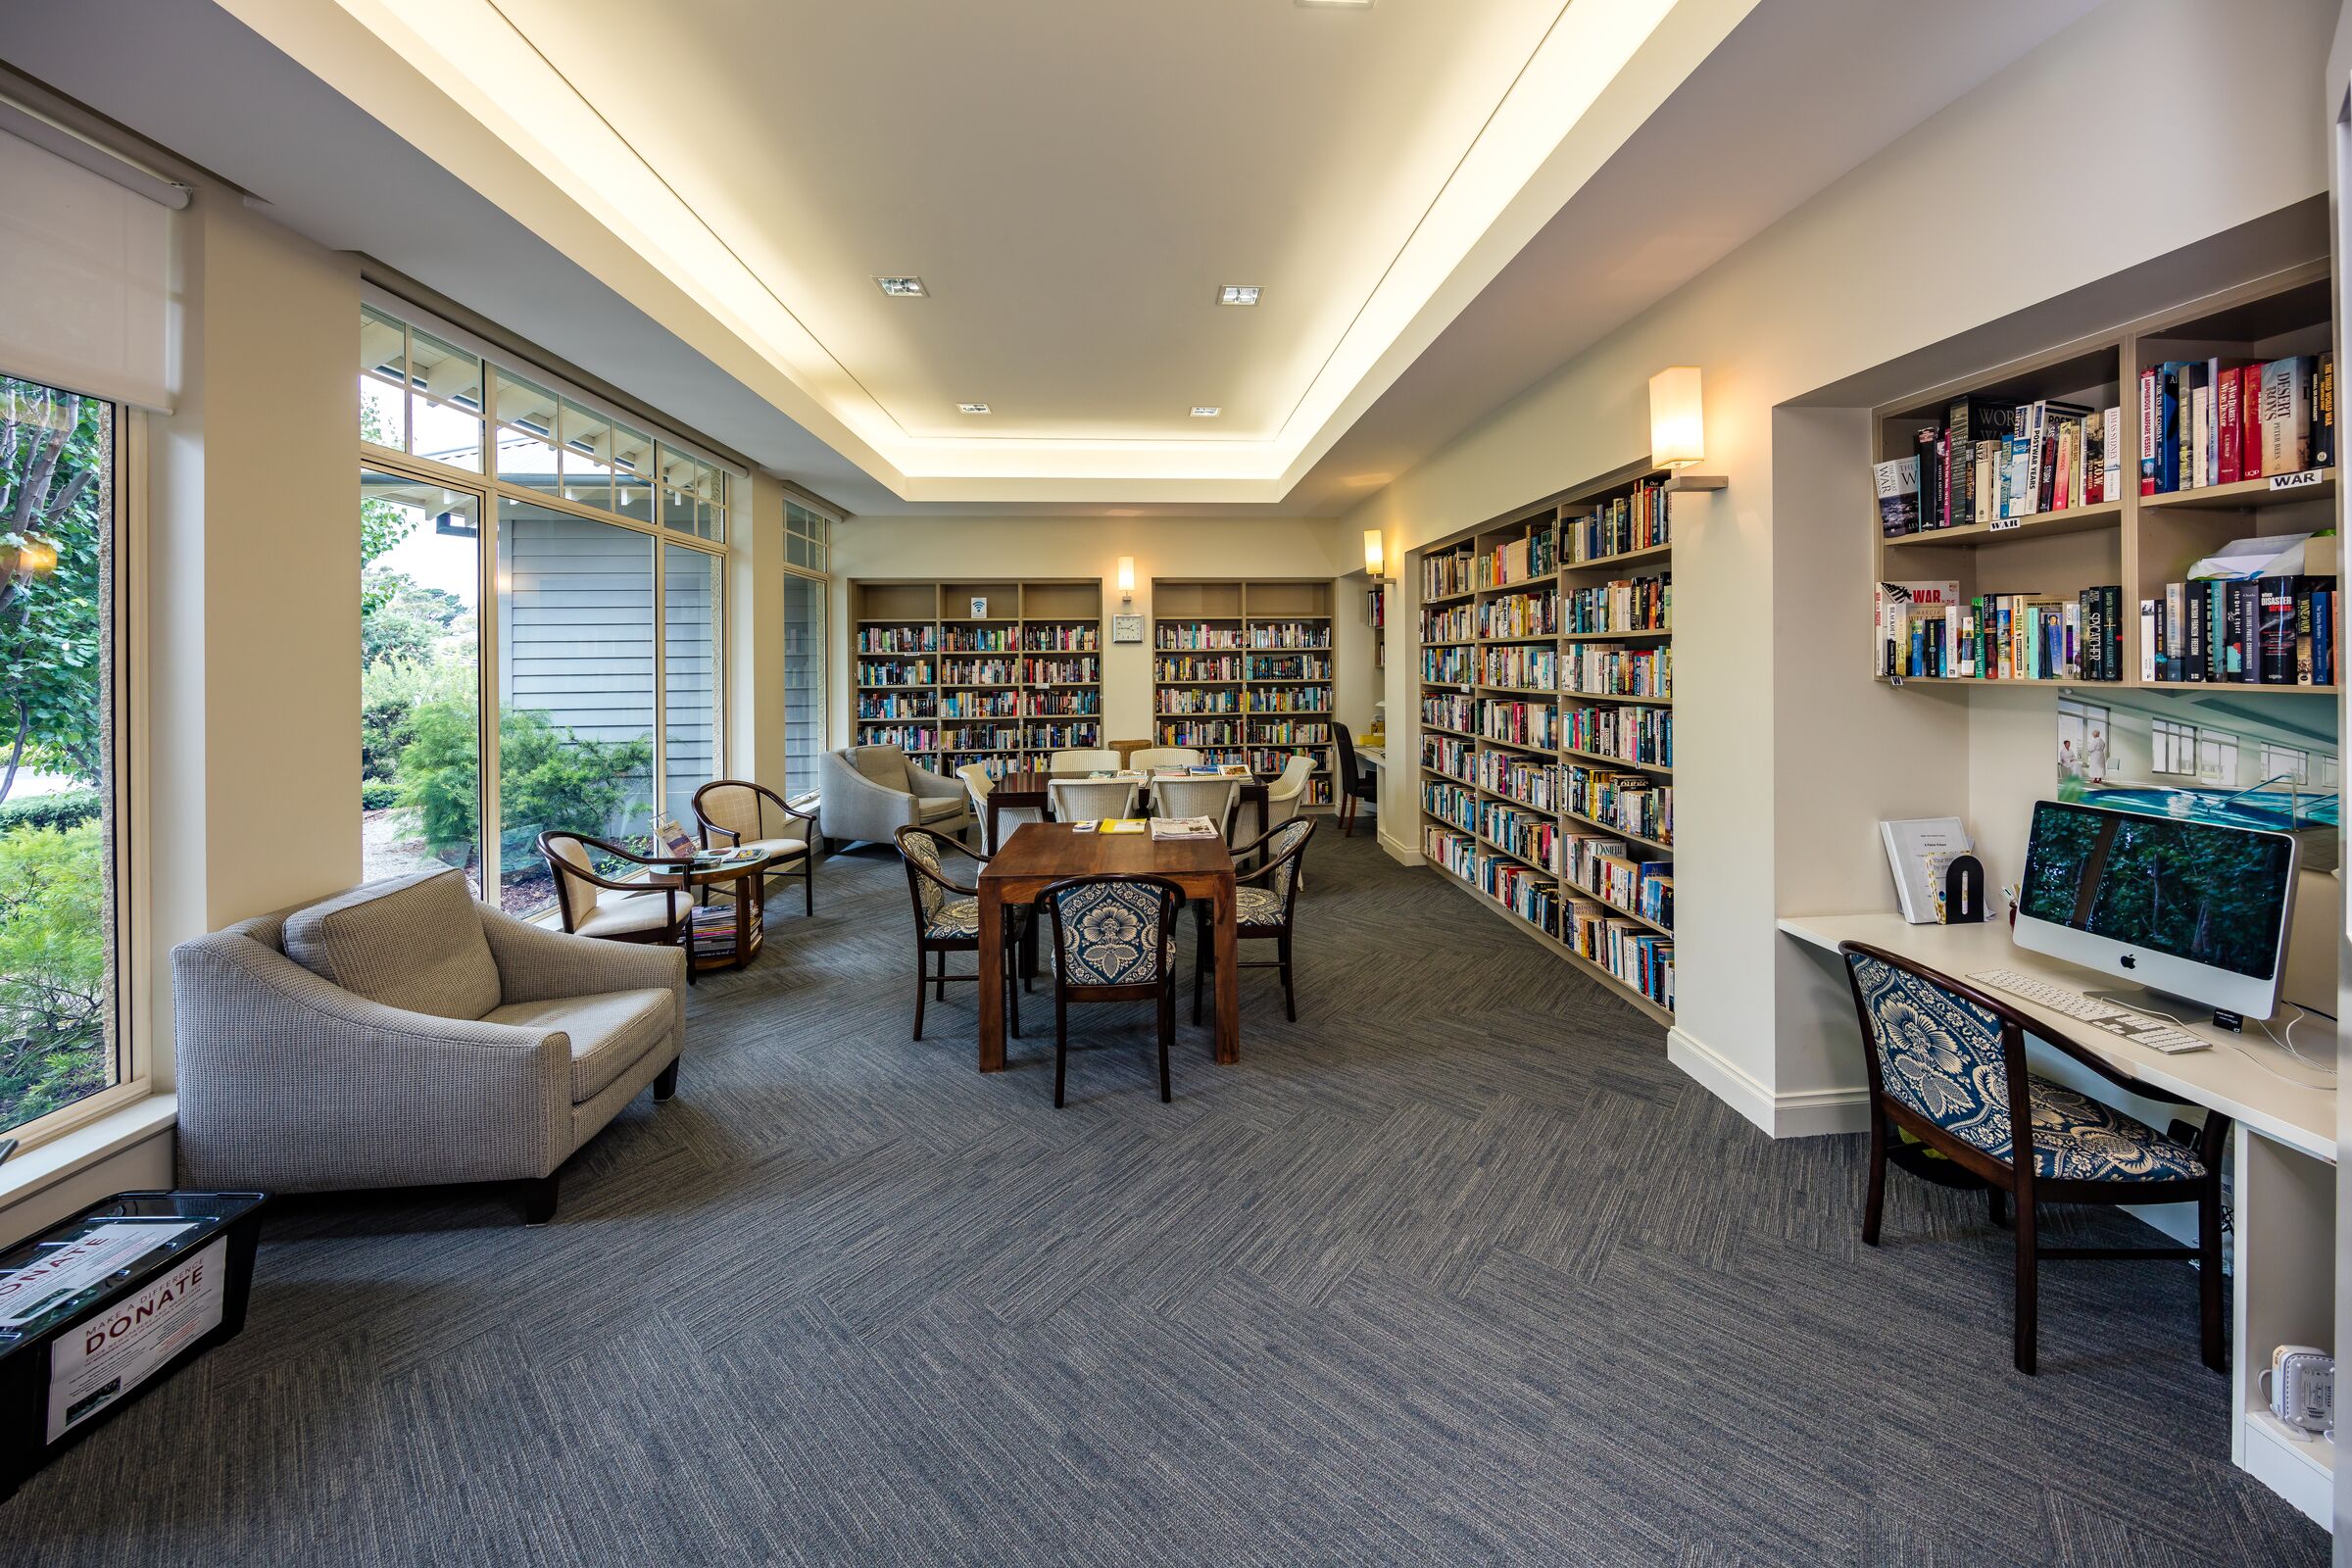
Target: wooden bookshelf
{"x": 1523, "y": 648}
{"x": 2136, "y": 543}
{"x": 1242, "y": 672}
{"x": 995, "y": 673}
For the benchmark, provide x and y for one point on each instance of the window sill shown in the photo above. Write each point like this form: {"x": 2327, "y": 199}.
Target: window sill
{"x": 26, "y": 1174}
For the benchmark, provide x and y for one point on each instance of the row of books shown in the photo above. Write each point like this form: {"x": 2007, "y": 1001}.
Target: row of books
{"x": 1442, "y": 754}
{"x": 1449, "y": 710}
{"x": 1069, "y": 700}
{"x": 897, "y": 672}
{"x": 2269, "y": 631}
{"x": 1639, "y": 604}
{"x": 1288, "y": 700}
{"x": 1200, "y": 732}
{"x": 898, "y": 705}
{"x": 980, "y": 639}
{"x": 1630, "y": 803}
{"x": 1267, "y": 761}
{"x": 1288, "y": 732}
{"x": 1635, "y": 522}
{"x": 1062, "y": 637}
{"x": 1446, "y": 572}
{"x": 1602, "y": 867}
{"x": 1449, "y": 623}
{"x": 1522, "y": 779}
{"x": 1642, "y": 736}
{"x": 1927, "y": 631}
{"x": 1289, "y": 667}
{"x": 1197, "y": 667}
{"x": 1518, "y": 561}
{"x": 1061, "y": 737}
{"x": 1457, "y": 804}
{"x": 1194, "y": 635}
{"x": 1520, "y": 616}
{"x": 1637, "y": 955}
{"x": 2217, "y": 422}
{"x": 909, "y": 639}
{"x": 1082, "y": 671}
{"x": 1525, "y": 892}
{"x": 1197, "y": 700}
{"x": 1600, "y": 670}
{"x": 1516, "y": 723}
{"x": 1518, "y": 831}
{"x": 981, "y": 705}
{"x": 970, "y": 671}
{"x": 1451, "y": 667}
{"x": 1521, "y": 667}
{"x": 1290, "y": 634}
{"x": 714, "y": 926}
{"x": 906, "y": 737}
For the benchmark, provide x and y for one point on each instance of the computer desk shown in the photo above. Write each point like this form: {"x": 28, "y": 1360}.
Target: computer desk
{"x": 2283, "y": 1173}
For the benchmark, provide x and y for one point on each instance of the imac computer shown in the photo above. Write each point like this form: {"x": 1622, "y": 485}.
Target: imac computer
{"x": 2186, "y": 910}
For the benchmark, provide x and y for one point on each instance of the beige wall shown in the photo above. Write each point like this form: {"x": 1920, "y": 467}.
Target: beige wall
{"x": 1788, "y": 752}
{"x": 1006, "y": 548}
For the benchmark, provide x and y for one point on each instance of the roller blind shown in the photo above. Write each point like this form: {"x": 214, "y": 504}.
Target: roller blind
{"x": 85, "y": 279}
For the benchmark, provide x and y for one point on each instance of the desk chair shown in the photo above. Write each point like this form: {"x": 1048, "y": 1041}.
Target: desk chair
{"x": 1114, "y": 940}
{"x": 1357, "y": 783}
{"x": 1080, "y": 800}
{"x": 1947, "y": 1066}
{"x": 946, "y": 919}
{"x": 1149, "y": 758}
{"x": 1212, "y": 797}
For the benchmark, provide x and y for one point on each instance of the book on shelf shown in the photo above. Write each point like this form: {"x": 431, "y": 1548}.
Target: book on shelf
{"x": 2246, "y": 631}
{"x": 1928, "y": 631}
{"x": 1898, "y": 485}
{"x": 1993, "y": 461}
{"x": 2218, "y": 420}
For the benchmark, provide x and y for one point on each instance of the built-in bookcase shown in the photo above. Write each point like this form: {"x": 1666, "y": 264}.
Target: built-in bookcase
{"x": 1547, "y": 719}
{"x": 2138, "y": 545}
{"x": 997, "y": 674}
{"x": 1241, "y": 671}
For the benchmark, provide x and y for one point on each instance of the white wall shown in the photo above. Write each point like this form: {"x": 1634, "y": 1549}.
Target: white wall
{"x": 1010, "y": 548}
{"x": 1788, "y": 752}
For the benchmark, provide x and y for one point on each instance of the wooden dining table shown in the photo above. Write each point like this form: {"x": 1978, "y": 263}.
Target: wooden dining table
{"x": 1042, "y": 853}
{"x": 1027, "y": 789}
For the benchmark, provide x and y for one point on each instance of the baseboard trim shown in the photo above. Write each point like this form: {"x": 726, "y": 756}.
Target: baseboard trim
{"x": 1401, "y": 852}
{"x": 1811, "y": 1114}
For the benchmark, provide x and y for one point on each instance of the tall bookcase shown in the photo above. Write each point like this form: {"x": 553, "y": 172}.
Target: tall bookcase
{"x": 998, "y": 673}
{"x": 1546, "y": 764}
{"x": 2136, "y": 544}
{"x": 1241, "y": 670}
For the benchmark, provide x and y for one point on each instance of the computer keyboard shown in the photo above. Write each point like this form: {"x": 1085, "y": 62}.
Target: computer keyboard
{"x": 2157, "y": 1034}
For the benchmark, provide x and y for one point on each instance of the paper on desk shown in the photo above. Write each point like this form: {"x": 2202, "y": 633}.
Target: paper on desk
{"x": 2273, "y": 556}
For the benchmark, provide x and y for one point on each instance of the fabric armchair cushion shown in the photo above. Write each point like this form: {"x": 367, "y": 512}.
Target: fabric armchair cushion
{"x": 954, "y": 919}
{"x": 886, "y": 765}
{"x": 608, "y": 1032}
{"x": 1111, "y": 929}
{"x": 414, "y": 943}
{"x": 1259, "y": 907}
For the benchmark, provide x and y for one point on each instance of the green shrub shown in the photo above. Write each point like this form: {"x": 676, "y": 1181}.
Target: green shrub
{"x": 53, "y": 994}
{"x": 375, "y": 795}
{"x": 66, "y": 809}
{"x": 549, "y": 778}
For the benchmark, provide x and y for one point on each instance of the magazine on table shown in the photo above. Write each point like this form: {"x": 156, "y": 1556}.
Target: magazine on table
{"x": 1109, "y": 824}
{"x": 1183, "y": 827}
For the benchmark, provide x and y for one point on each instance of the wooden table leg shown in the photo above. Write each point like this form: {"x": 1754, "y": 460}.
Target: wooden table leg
{"x": 1229, "y": 976}
{"x": 991, "y": 979}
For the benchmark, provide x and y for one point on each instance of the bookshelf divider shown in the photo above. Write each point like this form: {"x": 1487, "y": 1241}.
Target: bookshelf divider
{"x": 998, "y": 673}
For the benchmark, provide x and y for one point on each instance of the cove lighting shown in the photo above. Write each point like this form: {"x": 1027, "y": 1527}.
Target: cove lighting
{"x": 972, "y": 408}
{"x": 1206, "y": 410}
{"x": 1237, "y": 294}
{"x": 1335, "y": 5}
{"x": 903, "y": 288}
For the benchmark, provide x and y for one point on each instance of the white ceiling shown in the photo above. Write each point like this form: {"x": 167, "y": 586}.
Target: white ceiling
{"x": 1071, "y": 177}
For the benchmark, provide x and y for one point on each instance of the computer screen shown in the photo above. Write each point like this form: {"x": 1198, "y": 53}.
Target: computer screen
{"x": 2204, "y": 894}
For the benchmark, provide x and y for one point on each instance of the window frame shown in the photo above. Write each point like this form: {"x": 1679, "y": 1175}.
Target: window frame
{"x": 820, "y": 543}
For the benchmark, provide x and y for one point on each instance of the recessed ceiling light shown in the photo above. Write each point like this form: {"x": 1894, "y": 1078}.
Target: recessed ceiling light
{"x": 1237, "y": 294}
{"x": 1206, "y": 410}
{"x": 903, "y": 288}
{"x": 972, "y": 408}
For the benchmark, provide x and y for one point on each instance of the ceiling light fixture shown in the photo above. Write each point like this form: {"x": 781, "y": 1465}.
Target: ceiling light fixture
{"x": 903, "y": 288}
{"x": 972, "y": 408}
{"x": 1206, "y": 410}
{"x": 1237, "y": 294}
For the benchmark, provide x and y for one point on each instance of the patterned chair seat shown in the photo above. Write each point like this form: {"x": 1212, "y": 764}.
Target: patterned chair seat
{"x": 1258, "y": 906}
{"x": 2077, "y": 1138}
{"x": 955, "y": 918}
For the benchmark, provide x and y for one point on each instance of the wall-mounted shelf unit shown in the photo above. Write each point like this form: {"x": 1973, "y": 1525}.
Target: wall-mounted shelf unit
{"x": 2134, "y": 542}
{"x": 1241, "y": 670}
{"x": 1546, "y": 647}
{"x": 995, "y": 673}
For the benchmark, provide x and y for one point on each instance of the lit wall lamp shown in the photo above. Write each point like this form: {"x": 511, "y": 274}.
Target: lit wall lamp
{"x": 1376, "y": 562}
{"x": 1126, "y": 579}
{"x": 1678, "y": 428}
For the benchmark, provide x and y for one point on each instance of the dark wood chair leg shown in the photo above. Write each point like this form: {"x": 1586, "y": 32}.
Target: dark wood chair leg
{"x": 2209, "y": 1276}
{"x": 2028, "y": 1327}
{"x": 1290, "y": 998}
{"x": 538, "y": 1199}
{"x": 665, "y": 1086}
{"x": 1874, "y": 1207}
{"x": 1061, "y": 1042}
{"x": 1167, "y": 1032}
{"x": 922, "y": 983}
{"x": 943, "y": 975}
{"x": 808, "y": 884}
{"x": 1995, "y": 1206}
{"x": 1202, "y": 938}
{"x": 1013, "y": 991}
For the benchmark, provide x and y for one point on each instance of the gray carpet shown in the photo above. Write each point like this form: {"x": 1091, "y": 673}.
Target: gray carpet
{"x": 1454, "y": 1270}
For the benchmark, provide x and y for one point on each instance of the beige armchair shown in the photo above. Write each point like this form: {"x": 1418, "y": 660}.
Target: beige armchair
{"x": 738, "y": 815}
{"x": 870, "y": 792}
{"x": 402, "y": 1034}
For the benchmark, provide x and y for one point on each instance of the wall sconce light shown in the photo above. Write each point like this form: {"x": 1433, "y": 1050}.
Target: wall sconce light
{"x": 1126, "y": 579}
{"x": 1376, "y": 565}
{"x": 1678, "y": 428}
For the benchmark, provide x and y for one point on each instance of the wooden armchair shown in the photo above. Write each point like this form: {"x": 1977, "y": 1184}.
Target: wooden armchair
{"x": 594, "y": 904}
{"x": 1265, "y": 907}
{"x": 737, "y": 814}
{"x": 946, "y": 919}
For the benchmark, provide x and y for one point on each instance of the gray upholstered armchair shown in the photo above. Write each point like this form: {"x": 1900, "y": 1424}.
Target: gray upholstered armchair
{"x": 870, "y": 792}
{"x": 402, "y": 1034}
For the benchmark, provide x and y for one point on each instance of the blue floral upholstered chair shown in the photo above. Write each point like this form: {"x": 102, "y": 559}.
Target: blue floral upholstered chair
{"x": 1947, "y": 1066}
{"x": 1114, "y": 940}
{"x": 946, "y": 919}
{"x": 1265, "y": 902}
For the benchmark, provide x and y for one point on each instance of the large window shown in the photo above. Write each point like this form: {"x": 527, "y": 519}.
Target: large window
{"x": 61, "y": 1036}
{"x": 598, "y": 668}
{"x": 807, "y": 541}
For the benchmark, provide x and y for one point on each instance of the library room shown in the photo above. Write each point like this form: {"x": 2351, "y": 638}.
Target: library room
{"x": 1279, "y": 781}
